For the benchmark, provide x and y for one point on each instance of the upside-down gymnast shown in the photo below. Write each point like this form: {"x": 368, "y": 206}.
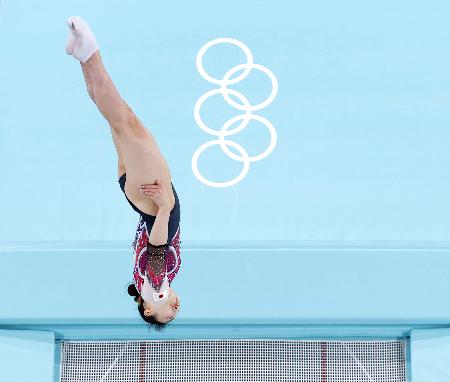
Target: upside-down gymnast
{"x": 144, "y": 178}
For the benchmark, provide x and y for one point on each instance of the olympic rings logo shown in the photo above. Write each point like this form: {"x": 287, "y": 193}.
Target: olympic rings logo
{"x": 244, "y": 106}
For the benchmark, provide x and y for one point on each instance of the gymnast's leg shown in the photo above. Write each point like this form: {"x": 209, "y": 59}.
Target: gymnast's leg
{"x": 121, "y": 166}
{"x": 135, "y": 145}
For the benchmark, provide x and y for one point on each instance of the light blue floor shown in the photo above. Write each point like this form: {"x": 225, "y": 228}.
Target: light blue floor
{"x": 361, "y": 116}
{"x": 351, "y": 210}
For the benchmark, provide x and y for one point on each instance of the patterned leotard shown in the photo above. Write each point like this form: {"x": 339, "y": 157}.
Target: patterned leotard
{"x": 155, "y": 262}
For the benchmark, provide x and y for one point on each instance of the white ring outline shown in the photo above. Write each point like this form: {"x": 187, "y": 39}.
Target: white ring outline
{"x": 176, "y": 260}
{"x": 209, "y": 94}
{"x": 227, "y": 40}
{"x": 265, "y": 153}
{"x": 259, "y": 106}
{"x": 246, "y": 117}
{"x": 203, "y": 147}
{"x": 144, "y": 249}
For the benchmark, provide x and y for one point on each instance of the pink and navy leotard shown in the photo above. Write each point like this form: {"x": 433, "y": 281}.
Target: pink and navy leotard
{"x": 155, "y": 263}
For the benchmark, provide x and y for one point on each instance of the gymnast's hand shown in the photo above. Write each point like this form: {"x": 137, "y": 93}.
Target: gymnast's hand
{"x": 157, "y": 192}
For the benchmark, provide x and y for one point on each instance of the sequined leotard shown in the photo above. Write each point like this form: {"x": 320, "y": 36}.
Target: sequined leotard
{"x": 158, "y": 265}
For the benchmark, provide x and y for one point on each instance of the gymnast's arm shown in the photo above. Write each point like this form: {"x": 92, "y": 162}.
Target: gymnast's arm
{"x": 157, "y": 243}
{"x": 160, "y": 230}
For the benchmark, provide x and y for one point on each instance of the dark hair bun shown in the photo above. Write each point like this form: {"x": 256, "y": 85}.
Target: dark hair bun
{"x": 132, "y": 291}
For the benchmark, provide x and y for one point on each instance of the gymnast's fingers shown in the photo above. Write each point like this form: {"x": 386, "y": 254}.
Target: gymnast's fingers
{"x": 150, "y": 187}
{"x": 150, "y": 192}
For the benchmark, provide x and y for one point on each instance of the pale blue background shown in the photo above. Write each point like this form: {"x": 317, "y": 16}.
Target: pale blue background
{"x": 36, "y": 347}
{"x": 363, "y": 157}
{"x": 430, "y": 351}
{"x": 362, "y": 118}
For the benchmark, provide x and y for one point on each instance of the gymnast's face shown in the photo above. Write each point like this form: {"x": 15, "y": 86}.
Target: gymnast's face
{"x": 165, "y": 312}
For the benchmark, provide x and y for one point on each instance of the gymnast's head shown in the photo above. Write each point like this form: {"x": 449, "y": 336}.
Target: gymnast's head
{"x": 156, "y": 314}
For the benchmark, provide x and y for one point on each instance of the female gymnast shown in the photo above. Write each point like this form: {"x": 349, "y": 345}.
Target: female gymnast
{"x": 146, "y": 181}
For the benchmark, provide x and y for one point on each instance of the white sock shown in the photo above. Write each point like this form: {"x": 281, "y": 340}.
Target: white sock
{"x": 85, "y": 42}
{"x": 71, "y": 38}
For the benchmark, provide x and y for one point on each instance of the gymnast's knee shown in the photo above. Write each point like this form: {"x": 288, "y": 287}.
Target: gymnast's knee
{"x": 128, "y": 124}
